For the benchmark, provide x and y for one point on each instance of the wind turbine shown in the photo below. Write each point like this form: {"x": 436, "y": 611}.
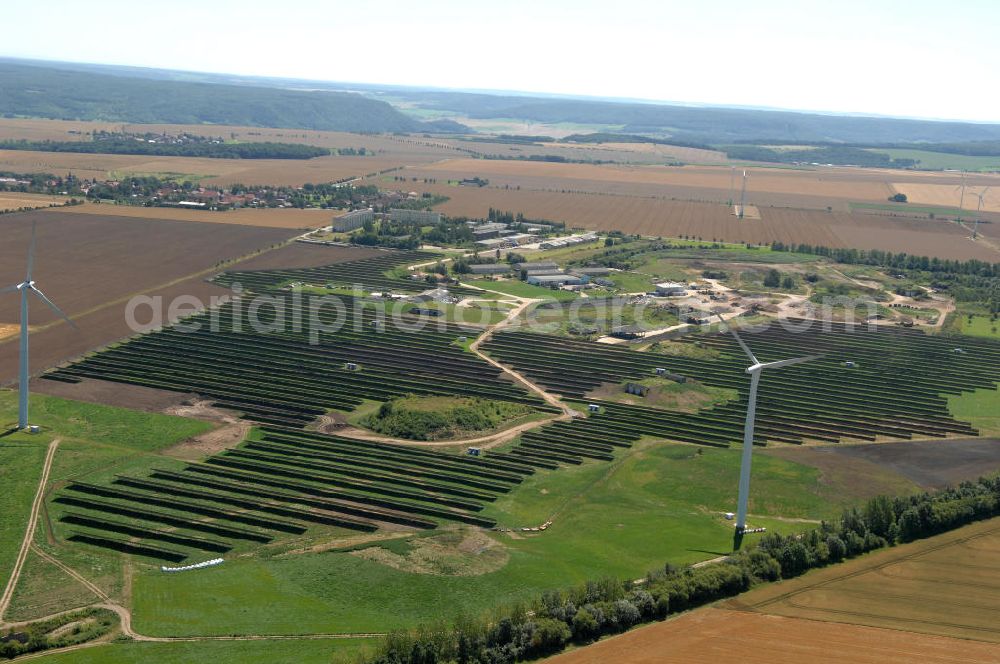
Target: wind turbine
{"x": 961, "y": 199}
{"x": 743, "y": 194}
{"x": 25, "y": 287}
{"x": 979, "y": 209}
{"x": 755, "y": 371}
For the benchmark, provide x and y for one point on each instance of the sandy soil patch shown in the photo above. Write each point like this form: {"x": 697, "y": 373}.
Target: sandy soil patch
{"x": 230, "y": 432}
{"x": 466, "y": 552}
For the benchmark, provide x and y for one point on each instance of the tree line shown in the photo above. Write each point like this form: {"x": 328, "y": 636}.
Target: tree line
{"x": 579, "y": 615}
{"x": 211, "y": 150}
{"x": 840, "y": 155}
{"x": 972, "y": 280}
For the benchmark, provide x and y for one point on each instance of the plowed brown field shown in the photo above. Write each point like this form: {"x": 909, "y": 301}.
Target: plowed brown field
{"x": 90, "y": 265}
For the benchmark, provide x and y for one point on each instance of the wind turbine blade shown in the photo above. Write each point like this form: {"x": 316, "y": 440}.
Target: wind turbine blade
{"x": 786, "y": 363}
{"x": 31, "y": 253}
{"x": 52, "y": 306}
{"x": 746, "y": 349}
{"x": 8, "y": 289}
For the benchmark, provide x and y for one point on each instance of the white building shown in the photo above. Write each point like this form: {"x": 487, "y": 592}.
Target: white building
{"x": 671, "y": 289}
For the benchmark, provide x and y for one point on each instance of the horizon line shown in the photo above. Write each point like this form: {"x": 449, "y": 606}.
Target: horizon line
{"x": 516, "y": 93}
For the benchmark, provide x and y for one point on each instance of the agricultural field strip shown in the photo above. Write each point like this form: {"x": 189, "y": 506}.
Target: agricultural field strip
{"x": 790, "y": 411}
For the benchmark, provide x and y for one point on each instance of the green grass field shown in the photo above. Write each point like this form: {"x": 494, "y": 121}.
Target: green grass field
{"x": 299, "y": 651}
{"x": 632, "y": 282}
{"x": 979, "y": 326}
{"x": 980, "y": 408}
{"x": 909, "y": 208}
{"x": 656, "y": 503}
{"x": 96, "y": 442}
{"x": 20, "y": 468}
{"x": 939, "y": 161}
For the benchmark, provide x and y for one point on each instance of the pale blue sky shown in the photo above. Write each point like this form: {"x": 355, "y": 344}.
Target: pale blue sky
{"x": 910, "y": 58}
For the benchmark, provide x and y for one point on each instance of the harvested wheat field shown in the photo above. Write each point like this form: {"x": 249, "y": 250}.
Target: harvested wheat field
{"x": 945, "y": 585}
{"x": 17, "y": 201}
{"x": 672, "y": 218}
{"x": 949, "y": 195}
{"x": 860, "y": 185}
{"x": 713, "y": 636}
{"x": 293, "y": 172}
{"x": 290, "y": 218}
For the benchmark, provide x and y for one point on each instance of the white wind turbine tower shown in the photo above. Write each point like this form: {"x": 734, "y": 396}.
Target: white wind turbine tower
{"x": 743, "y": 194}
{"x": 755, "y": 371}
{"x": 979, "y": 208}
{"x": 25, "y": 287}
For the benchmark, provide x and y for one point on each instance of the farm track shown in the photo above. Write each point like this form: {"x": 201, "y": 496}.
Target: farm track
{"x": 488, "y": 334}
{"x": 29, "y": 533}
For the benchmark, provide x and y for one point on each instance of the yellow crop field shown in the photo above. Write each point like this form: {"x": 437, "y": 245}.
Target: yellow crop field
{"x": 944, "y": 585}
{"x": 950, "y": 195}
{"x": 16, "y": 201}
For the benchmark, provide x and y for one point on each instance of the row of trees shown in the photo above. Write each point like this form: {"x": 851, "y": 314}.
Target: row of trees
{"x": 900, "y": 261}
{"x": 585, "y": 613}
{"x": 211, "y": 150}
{"x": 841, "y": 155}
{"x": 971, "y": 281}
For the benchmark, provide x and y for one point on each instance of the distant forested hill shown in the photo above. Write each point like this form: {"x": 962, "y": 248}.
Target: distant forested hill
{"x": 703, "y": 124}
{"x": 134, "y": 94}
{"x": 49, "y": 92}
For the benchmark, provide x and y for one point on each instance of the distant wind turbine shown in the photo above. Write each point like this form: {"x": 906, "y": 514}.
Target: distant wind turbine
{"x": 755, "y": 371}
{"x": 979, "y": 208}
{"x": 961, "y": 199}
{"x": 743, "y": 194}
{"x": 25, "y": 287}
